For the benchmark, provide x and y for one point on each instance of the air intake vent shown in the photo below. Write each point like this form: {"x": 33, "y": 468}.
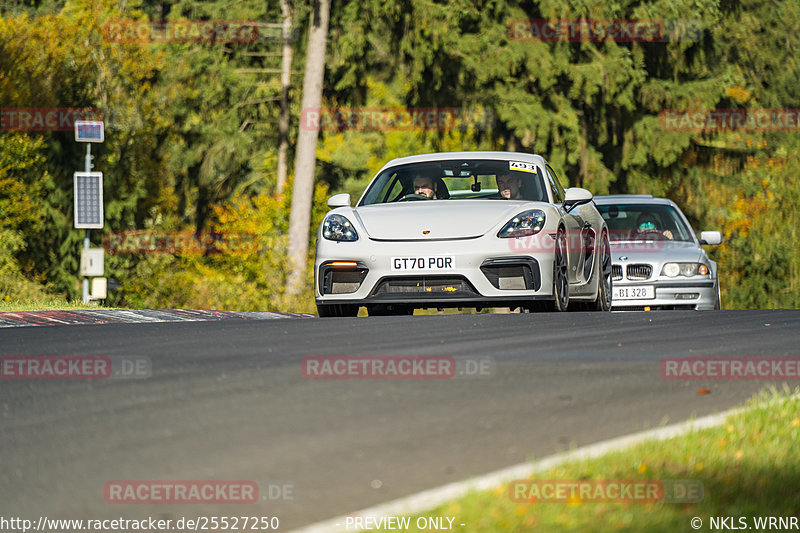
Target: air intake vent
{"x": 425, "y": 286}
{"x": 512, "y": 273}
{"x": 341, "y": 280}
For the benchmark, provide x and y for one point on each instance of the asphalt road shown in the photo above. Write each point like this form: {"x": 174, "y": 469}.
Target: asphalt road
{"x": 228, "y": 401}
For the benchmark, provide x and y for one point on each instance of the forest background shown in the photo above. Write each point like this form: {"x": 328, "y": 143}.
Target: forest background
{"x": 192, "y": 129}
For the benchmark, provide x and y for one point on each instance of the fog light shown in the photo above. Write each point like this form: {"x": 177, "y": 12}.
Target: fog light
{"x": 687, "y": 296}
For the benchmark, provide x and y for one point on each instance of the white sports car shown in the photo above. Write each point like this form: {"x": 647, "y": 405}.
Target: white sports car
{"x": 463, "y": 229}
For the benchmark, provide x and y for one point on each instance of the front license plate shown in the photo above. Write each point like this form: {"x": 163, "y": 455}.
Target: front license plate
{"x": 423, "y": 263}
{"x": 634, "y": 293}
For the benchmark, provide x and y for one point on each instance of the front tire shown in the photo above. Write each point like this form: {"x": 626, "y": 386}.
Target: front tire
{"x": 605, "y": 284}
{"x": 560, "y": 300}
{"x": 336, "y": 310}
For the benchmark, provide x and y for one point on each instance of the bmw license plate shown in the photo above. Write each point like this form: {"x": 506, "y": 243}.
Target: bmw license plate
{"x": 423, "y": 263}
{"x": 634, "y": 293}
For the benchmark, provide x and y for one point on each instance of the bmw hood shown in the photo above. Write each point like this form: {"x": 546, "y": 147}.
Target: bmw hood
{"x": 436, "y": 219}
{"x": 656, "y": 251}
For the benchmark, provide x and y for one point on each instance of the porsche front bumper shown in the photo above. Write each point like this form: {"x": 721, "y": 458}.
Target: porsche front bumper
{"x": 485, "y": 271}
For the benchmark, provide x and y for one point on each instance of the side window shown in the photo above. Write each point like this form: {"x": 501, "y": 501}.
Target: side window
{"x": 394, "y": 192}
{"x": 558, "y": 190}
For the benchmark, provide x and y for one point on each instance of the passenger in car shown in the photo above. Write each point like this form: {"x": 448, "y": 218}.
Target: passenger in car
{"x": 509, "y": 186}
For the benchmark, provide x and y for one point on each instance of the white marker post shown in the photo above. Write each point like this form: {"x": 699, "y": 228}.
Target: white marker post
{"x": 88, "y": 187}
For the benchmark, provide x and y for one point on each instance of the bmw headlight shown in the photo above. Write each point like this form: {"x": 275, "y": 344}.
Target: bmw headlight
{"x": 338, "y": 228}
{"x": 671, "y": 270}
{"x": 684, "y": 269}
{"x": 527, "y": 223}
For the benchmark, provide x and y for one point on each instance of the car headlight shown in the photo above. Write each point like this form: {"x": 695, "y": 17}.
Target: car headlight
{"x": 338, "y": 228}
{"x": 524, "y": 224}
{"x": 684, "y": 269}
{"x": 671, "y": 270}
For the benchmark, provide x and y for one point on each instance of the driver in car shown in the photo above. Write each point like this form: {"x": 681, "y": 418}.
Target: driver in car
{"x": 646, "y": 223}
{"x": 508, "y": 185}
{"x": 425, "y": 186}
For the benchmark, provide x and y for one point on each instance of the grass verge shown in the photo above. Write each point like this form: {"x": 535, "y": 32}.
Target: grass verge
{"x": 749, "y": 467}
{"x": 54, "y": 304}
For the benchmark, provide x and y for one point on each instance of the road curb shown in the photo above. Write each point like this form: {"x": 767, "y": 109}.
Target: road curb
{"x": 84, "y": 317}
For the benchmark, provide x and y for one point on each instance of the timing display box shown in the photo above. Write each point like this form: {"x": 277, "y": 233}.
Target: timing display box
{"x": 89, "y": 131}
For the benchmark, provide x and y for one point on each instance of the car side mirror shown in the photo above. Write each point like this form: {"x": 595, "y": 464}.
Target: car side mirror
{"x": 575, "y": 196}
{"x": 710, "y": 237}
{"x": 339, "y": 200}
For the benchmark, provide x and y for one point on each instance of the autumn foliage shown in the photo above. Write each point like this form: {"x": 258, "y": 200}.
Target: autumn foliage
{"x": 191, "y": 129}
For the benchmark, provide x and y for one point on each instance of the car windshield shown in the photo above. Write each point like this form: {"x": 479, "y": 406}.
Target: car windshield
{"x": 630, "y": 222}
{"x": 459, "y": 179}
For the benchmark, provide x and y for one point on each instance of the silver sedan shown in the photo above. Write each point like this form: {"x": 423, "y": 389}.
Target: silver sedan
{"x": 658, "y": 261}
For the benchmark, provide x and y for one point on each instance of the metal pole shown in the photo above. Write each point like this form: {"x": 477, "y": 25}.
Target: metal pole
{"x": 87, "y": 168}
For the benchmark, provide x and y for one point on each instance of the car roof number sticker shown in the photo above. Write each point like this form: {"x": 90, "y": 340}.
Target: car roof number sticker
{"x": 522, "y": 166}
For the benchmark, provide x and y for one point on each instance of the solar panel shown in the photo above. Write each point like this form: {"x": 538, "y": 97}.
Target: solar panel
{"x": 88, "y": 200}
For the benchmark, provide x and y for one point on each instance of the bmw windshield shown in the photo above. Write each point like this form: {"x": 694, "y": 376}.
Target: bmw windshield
{"x": 643, "y": 222}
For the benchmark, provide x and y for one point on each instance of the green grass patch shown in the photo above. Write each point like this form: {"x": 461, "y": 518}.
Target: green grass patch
{"x": 749, "y": 467}
{"x": 52, "y": 304}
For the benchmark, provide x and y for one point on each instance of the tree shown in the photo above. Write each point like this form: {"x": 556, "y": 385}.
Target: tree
{"x": 286, "y": 73}
{"x": 305, "y": 161}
